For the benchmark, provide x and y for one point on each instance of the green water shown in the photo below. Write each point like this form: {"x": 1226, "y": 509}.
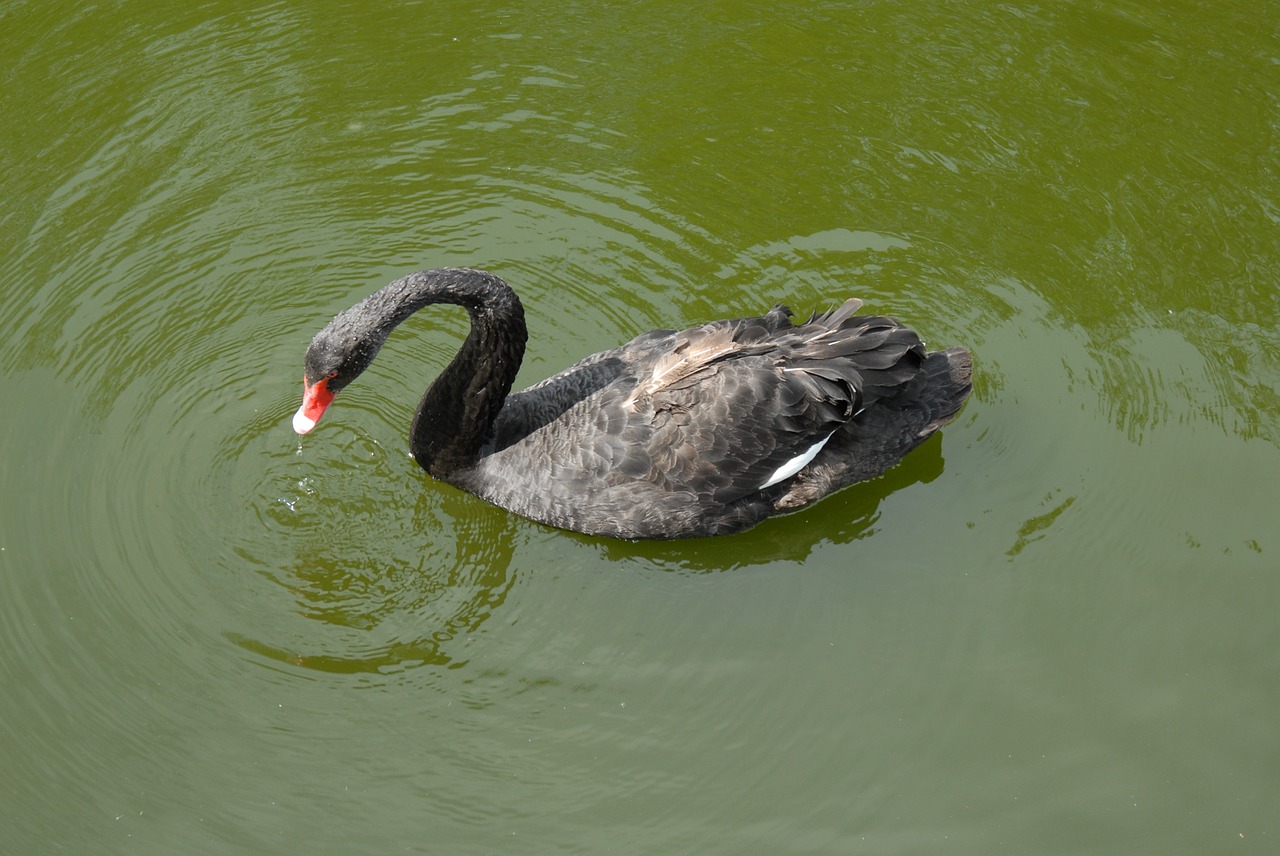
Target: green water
{"x": 1052, "y": 630}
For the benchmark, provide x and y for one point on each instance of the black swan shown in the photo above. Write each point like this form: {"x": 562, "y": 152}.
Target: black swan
{"x": 675, "y": 434}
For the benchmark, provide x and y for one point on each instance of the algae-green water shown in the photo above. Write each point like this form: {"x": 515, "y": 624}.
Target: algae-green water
{"x": 1051, "y": 630}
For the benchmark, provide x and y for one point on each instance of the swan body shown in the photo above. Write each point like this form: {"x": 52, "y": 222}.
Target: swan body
{"x": 675, "y": 434}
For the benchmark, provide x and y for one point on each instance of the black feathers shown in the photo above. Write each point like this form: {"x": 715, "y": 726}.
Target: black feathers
{"x": 675, "y": 434}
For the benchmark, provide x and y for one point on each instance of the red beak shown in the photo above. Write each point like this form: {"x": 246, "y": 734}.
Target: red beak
{"x": 315, "y": 398}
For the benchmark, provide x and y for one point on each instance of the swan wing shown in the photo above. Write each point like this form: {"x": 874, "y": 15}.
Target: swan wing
{"x": 732, "y": 408}
{"x": 667, "y": 434}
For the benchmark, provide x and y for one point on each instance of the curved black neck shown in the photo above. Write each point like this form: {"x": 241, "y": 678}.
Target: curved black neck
{"x": 456, "y": 415}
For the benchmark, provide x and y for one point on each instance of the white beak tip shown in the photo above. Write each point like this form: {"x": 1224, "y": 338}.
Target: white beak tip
{"x": 302, "y": 423}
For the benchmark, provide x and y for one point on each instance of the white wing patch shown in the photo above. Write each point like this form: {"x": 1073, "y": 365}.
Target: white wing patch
{"x": 796, "y": 464}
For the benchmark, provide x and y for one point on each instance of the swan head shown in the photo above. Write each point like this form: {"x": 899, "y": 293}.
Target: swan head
{"x": 335, "y": 358}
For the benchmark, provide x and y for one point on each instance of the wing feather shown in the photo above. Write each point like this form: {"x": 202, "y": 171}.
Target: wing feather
{"x": 680, "y": 423}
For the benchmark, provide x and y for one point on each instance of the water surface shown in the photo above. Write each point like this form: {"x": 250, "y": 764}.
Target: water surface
{"x": 1051, "y": 630}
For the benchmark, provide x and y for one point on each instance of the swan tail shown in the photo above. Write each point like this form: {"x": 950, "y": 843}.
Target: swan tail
{"x": 884, "y": 432}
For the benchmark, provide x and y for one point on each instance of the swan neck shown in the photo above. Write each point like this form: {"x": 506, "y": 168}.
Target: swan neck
{"x": 456, "y": 415}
